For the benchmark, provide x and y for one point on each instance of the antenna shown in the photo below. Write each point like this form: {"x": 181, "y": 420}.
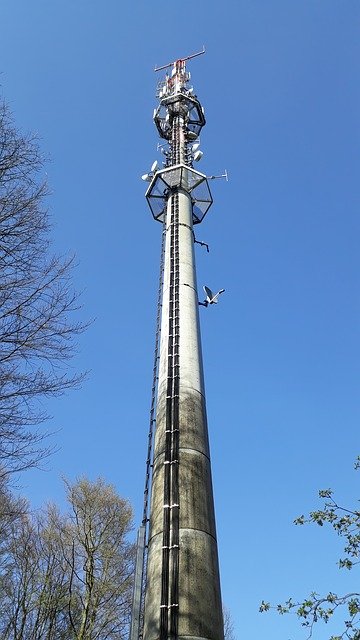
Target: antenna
{"x": 193, "y": 55}
{"x": 223, "y": 175}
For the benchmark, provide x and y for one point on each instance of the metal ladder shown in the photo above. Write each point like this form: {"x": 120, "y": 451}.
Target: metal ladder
{"x": 137, "y": 615}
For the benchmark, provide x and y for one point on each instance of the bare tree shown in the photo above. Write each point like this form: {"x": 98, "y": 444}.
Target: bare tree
{"x": 69, "y": 576}
{"x": 100, "y": 559}
{"x": 229, "y": 630}
{"x": 19, "y": 586}
{"x": 12, "y": 509}
{"x": 36, "y": 302}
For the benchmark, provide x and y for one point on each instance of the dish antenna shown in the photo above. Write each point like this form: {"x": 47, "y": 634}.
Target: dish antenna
{"x": 198, "y": 155}
{"x": 195, "y": 146}
{"x": 149, "y": 176}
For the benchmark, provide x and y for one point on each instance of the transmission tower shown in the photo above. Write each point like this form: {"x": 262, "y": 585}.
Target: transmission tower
{"x": 177, "y": 586}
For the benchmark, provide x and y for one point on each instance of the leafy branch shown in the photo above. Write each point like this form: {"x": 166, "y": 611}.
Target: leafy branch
{"x": 315, "y": 608}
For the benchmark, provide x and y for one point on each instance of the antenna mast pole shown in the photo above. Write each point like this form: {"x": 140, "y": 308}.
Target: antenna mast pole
{"x": 177, "y": 541}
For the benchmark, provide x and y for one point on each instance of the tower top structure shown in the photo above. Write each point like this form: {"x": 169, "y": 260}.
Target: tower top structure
{"x": 179, "y": 119}
{"x": 173, "y": 88}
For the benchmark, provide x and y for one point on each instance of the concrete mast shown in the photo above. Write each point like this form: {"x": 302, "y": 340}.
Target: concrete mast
{"x": 182, "y": 586}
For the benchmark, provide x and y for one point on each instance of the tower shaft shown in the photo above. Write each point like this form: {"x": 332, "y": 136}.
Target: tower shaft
{"x": 182, "y": 596}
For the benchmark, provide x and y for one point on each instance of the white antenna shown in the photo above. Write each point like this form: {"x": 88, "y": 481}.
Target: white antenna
{"x": 162, "y": 149}
{"x": 223, "y": 175}
{"x": 154, "y": 166}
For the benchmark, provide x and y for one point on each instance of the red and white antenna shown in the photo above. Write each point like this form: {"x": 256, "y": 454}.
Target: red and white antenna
{"x": 180, "y": 60}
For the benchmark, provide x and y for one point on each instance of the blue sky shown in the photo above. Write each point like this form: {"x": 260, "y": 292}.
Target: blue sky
{"x": 279, "y": 83}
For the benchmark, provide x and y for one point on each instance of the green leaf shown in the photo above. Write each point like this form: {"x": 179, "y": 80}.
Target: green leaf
{"x": 325, "y": 493}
